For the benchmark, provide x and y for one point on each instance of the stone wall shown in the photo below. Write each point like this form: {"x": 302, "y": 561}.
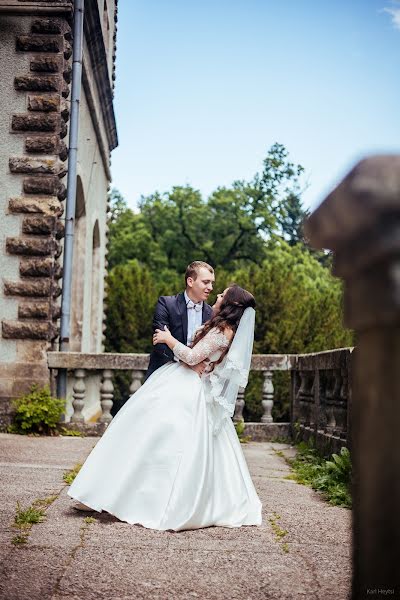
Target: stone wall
{"x": 35, "y": 61}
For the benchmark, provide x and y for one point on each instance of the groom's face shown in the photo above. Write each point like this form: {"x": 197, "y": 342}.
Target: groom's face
{"x": 201, "y": 287}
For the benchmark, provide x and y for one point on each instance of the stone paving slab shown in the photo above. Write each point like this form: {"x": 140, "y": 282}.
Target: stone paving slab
{"x": 67, "y": 558}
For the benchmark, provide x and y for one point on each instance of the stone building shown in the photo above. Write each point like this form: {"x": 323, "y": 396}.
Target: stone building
{"x": 35, "y": 64}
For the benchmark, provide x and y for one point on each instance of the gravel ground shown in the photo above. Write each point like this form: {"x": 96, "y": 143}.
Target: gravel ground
{"x": 67, "y": 558}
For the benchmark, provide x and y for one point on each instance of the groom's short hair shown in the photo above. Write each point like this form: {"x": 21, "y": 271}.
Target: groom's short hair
{"x": 193, "y": 269}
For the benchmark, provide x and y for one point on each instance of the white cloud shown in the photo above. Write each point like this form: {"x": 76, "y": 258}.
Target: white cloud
{"x": 394, "y": 12}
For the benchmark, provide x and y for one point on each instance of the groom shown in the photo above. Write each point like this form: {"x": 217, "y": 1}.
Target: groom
{"x": 183, "y": 313}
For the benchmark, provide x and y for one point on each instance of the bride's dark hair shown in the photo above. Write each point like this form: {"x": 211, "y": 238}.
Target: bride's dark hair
{"x": 233, "y": 305}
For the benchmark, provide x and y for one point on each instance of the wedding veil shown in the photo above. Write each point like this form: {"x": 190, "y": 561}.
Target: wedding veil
{"x": 223, "y": 383}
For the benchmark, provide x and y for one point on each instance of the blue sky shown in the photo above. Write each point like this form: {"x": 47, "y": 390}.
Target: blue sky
{"x": 205, "y": 88}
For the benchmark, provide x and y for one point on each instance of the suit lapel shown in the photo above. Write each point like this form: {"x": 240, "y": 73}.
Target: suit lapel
{"x": 183, "y": 312}
{"x": 206, "y": 313}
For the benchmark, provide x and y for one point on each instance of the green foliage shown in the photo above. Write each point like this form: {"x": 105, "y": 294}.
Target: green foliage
{"x": 28, "y": 516}
{"x": 37, "y": 412}
{"x": 279, "y": 533}
{"x": 227, "y": 230}
{"x": 70, "y": 475}
{"x": 239, "y": 426}
{"x": 330, "y": 477}
{"x": 71, "y": 432}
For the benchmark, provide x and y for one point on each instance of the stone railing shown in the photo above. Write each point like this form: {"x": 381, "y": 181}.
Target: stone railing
{"x": 81, "y": 367}
{"x": 320, "y": 392}
{"x": 321, "y": 398}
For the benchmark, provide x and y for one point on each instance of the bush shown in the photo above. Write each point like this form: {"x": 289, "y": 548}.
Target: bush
{"x": 330, "y": 477}
{"x": 37, "y": 412}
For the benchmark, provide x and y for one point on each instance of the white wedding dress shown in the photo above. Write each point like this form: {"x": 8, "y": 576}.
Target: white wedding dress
{"x": 162, "y": 463}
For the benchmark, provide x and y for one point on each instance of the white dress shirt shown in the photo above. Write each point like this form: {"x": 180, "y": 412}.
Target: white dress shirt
{"x": 194, "y": 317}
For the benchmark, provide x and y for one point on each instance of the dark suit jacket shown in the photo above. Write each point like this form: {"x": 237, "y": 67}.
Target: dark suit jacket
{"x": 171, "y": 311}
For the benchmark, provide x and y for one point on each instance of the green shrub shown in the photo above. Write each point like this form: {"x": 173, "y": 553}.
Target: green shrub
{"x": 330, "y": 477}
{"x": 37, "y": 412}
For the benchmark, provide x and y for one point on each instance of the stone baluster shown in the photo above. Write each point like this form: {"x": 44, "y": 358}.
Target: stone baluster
{"x": 137, "y": 377}
{"x": 360, "y": 222}
{"x": 78, "y": 393}
{"x": 239, "y": 406}
{"x": 106, "y": 396}
{"x": 267, "y": 397}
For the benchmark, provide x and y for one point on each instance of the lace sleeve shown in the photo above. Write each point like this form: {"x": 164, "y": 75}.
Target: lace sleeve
{"x": 214, "y": 340}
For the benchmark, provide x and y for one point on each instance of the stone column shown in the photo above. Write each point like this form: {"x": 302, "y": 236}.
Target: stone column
{"x": 360, "y": 222}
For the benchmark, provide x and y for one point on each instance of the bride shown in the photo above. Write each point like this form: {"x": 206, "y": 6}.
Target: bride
{"x": 171, "y": 459}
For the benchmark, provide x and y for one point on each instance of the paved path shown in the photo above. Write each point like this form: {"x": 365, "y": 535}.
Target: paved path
{"x": 68, "y": 558}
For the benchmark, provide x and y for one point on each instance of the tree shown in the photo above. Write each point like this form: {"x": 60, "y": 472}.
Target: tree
{"x": 228, "y": 230}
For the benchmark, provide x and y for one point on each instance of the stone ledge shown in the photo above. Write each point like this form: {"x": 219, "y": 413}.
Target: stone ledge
{"x": 267, "y": 432}
{"x": 88, "y": 429}
{"x": 103, "y": 360}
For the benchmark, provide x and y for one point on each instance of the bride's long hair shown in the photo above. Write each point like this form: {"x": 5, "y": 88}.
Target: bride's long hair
{"x": 233, "y": 305}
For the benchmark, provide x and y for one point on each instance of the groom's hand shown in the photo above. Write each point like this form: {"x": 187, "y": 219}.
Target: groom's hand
{"x": 199, "y": 368}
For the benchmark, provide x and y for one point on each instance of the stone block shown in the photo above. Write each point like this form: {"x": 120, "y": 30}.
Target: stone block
{"x": 41, "y": 166}
{"x": 37, "y": 267}
{"x": 48, "y": 25}
{"x": 35, "y": 122}
{"x": 65, "y": 89}
{"x": 39, "y": 288}
{"x": 67, "y": 72}
{"x": 39, "y": 225}
{"x": 30, "y": 246}
{"x": 62, "y": 151}
{"x": 35, "y": 330}
{"x": 43, "y": 205}
{"x": 33, "y": 310}
{"x": 65, "y": 110}
{"x": 37, "y": 83}
{"x": 46, "y": 144}
{"x": 44, "y": 102}
{"x": 67, "y": 50}
{"x": 43, "y": 185}
{"x": 63, "y": 129}
{"x": 45, "y": 64}
{"x": 62, "y": 192}
{"x": 40, "y": 43}
{"x": 59, "y": 229}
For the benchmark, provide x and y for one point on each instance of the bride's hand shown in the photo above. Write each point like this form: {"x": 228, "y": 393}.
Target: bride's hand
{"x": 162, "y": 337}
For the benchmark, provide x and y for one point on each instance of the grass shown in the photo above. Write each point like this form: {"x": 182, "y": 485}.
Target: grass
{"x": 239, "y": 426}
{"x": 71, "y": 432}
{"x": 279, "y": 533}
{"x": 70, "y": 475}
{"x": 331, "y": 477}
{"x": 89, "y": 520}
{"x": 31, "y": 515}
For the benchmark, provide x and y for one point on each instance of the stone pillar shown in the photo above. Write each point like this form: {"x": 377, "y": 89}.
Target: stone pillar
{"x": 360, "y": 222}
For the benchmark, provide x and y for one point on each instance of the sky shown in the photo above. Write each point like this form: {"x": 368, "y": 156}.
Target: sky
{"x": 204, "y": 89}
